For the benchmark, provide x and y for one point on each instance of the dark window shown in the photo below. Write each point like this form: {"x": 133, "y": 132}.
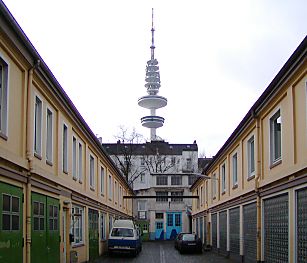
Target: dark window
{"x": 161, "y": 196}
{"x": 177, "y": 219}
{"x": 161, "y": 180}
{"x": 169, "y": 219}
{"x": 176, "y": 180}
{"x": 177, "y": 194}
{"x": 159, "y": 215}
{"x": 39, "y": 215}
{"x": 10, "y": 212}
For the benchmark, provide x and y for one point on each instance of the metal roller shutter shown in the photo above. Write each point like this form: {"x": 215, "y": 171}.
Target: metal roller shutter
{"x": 214, "y": 232}
{"x": 301, "y": 222}
{"x": 223, "y": 233}
{"x": 276, "y": 217}
{"x": 234, "y": 233}
{"x": 250, "y": 232}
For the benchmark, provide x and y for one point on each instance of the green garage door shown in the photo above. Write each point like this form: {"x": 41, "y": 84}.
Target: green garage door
{"x": 93, "y": 234}
{"x": 11, "y": 241}
{"x": 45, "y": 229}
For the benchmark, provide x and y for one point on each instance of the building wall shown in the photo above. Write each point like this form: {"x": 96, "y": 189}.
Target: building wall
{"x": 39, "y": 174}
{"x": 270, "y": 198}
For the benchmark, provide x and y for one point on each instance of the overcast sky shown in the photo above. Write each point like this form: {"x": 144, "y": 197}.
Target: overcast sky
{"x": 215, "y": 57}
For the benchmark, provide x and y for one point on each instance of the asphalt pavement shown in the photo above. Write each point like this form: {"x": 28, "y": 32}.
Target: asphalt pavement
{"x": 163, "y": 252}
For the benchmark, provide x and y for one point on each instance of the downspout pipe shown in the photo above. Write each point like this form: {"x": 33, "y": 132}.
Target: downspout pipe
{"x": 29, "y": 156}
{"x": 257, "y": 180}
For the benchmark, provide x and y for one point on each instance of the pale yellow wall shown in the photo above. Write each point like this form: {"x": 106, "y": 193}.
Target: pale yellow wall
{"x": 13, "y": 148}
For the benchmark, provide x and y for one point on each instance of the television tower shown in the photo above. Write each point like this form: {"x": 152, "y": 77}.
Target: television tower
{"x": 152, "y": 101}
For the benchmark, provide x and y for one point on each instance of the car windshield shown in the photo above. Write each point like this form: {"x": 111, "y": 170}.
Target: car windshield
{"x": 188, "y": 237}
{"x": 122, "y": 232}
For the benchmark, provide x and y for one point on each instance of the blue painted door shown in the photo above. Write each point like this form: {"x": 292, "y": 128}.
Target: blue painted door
{"x": 159, "y": 232}
{"x": 173, "y": 225}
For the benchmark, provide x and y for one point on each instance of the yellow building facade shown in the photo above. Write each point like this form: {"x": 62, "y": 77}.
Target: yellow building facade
{"x": 59, "y": 190}
{"x": 253, "y": 206}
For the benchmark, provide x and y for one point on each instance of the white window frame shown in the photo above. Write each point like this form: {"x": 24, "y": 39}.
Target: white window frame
{"x": 102, "y": 180}
{"x": 110, "y": 185}
{"x": 38, "y": 122}
{"x": 223, "y": 177}
{"x": 272, "y": 119}
{"x": 49, "y": 136}
{"x": 4, "y": 97}
{"x": 74, "y": 158}
{"x": 213, "y": 182}
{"x": 65, "y": 148}
{"x": 235, "y": 169}
{"x": 75, "y": 220}
{"x": 250, "y": 142}
{"x": 103, "y": 230}
{"x": 92, "y": 171}
{"x": 80, "y": 162}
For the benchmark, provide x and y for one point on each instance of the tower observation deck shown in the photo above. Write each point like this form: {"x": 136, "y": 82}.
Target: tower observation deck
{"x": 152, "y": 101}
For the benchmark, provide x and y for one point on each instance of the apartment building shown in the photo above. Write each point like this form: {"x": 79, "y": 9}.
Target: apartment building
{"x": 160, "y": 173}
{"x": 59, "y": 189}
{"x": 252, "y": 208}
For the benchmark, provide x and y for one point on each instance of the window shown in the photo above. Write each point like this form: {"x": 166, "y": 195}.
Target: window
{"x": 201, "y": 195}
{"x": 49, "y": 137}
{"x": 176, "y": 180}
{"x": 142, "y": 209}
{"x": 92, "y": 171}
{"x": 177, "y": 194}
{"x": 65, "y": 147}
{"x": 161, "y": 180}
{"x": 80, "y": 167}
{"x": 169, "y": 219}
{"x": 142, "y": 177}
{"x": 235, "y": 169}
{"x": 38, "y": 127}
{"x": 74, "y": 158}
{"x": 110, "y": 187}
{"x": 177, "y": 219}
{"x": 161, "y": 196}
{"x": 102, "y": 180}
{"x": 159, "y": 215}
{"x": 115, "y": 191}
{"x": 189, "y": 164}
{"x": 213, "y": 182}
{"x": 173, "y": 160}
{"x": 77, "y": 227}
{"x": 142, "y": 161}
{"x": 38, "y": 216}
{"x": 251, "y": 156}
{"x": 3, "y": 96}
{"x": 53, "y": 218}
{"x": 223, "y": 172}
{"x": 120, "y": 196}
{"x": 275, "y": 138}
{"x": 10, "y": 212}
{"x": 103, "y": 226}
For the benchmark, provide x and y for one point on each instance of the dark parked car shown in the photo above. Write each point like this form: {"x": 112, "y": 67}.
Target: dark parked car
{"x": 188, "y": 242}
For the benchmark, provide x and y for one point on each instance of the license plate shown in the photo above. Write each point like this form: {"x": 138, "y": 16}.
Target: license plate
{"x": 122, "y": 247}
{"x": 191, "y": 244}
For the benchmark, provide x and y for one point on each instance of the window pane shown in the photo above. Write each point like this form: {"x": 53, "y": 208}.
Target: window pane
{"x": 15, "y": 204}
{"x": 6, "y": 203}
{"x": 36, "y": 223}
{"x": 55, "y": 211}
{"x": 55, "y": 224}
{"x": 35, "y": 208}
{"x": 6, "y": 222}
{"x": 41, "y": 209}
{"x": 15, "y": 222}
{"x": 50, "y": 211}
{"x": 41, "y": 224}
{"x": 50, "y": 224}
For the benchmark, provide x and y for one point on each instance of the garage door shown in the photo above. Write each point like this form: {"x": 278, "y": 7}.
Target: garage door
{"x": 276, "y": 229}
{"x": 301, "y": 222}
{"x": 223, "y": 232}
{"x": 214, "y": 232}
{"x": 234, "y": 233}
{"x": 250, "y": 232}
